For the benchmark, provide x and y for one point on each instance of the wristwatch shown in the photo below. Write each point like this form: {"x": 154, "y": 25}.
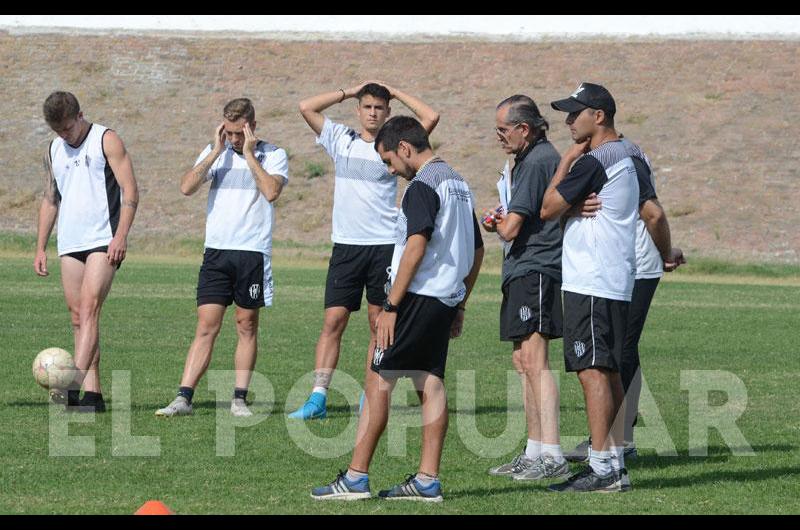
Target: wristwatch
{"x": 388, "y": 307}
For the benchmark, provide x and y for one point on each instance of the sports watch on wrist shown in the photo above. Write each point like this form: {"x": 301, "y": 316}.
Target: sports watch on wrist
{"x": 388, "y": 307}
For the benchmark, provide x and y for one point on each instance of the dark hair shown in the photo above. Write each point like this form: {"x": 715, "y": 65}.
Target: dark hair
{"x": 523, "y": 109}
{"x": 60, "y": 106}
{"x": 608, "y": 119}
{"x": 402, "y": 129}
{"x": 375, "y": 90}
{"x": 239, "y": 108}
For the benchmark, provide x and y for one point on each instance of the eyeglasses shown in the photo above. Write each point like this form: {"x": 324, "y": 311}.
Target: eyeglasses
{"x": 503, "y": 131}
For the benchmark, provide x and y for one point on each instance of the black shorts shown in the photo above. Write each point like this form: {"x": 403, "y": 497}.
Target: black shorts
{"x": 531, "y": 304}
{"x": 594, "y": 332}
{"x": 239, "y": 276}
{"x": 83, "y": 255}
{"x": 352, "y": 267}
{"x": 421, "y": 338}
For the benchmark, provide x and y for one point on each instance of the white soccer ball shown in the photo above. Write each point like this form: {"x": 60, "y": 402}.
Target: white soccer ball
{"x": 54, "y": 368}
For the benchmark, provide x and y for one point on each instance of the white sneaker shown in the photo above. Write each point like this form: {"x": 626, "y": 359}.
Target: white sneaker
{"x": 58, "y": 396}
{"x": 239, "y": 408}
{"x": 180, "y": 406}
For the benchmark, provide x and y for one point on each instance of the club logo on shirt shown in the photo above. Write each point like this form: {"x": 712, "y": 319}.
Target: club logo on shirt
{"x": 580, "y": 348}
{"x": 525, "y": 313}
{"x": 255, "y": 289}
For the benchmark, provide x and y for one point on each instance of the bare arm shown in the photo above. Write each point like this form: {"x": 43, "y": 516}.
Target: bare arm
{"x": 270, "y": 186}
{"x": 48, "y": 211}
{"x": 655, "y": 219}
{"x": 120, "y": 162}
{"x": 553, "y": 204}
{"x": 428, "y": 117}
{"x": 311, "y": 108}
{"x": 194, "y": 178}
{"x": 508, "y": 226}
{"x": 409, "y": 263}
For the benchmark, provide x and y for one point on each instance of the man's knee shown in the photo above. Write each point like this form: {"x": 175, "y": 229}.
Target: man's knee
{"x": 89, "y": 308}
{"x": 247, "y": 325}
{"x": 334, "y": 324}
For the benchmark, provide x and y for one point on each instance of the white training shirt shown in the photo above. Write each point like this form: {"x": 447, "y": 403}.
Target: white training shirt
{"x": 88, "y": 214}
{"x": 438, "y": 204}
{"x": 599, "y": 253}
{"x": 364, "y": 195}
{"x": 239, "y": 217}
{"x": 649, "y": 264}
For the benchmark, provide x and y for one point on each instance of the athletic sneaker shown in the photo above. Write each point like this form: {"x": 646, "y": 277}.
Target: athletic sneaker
{"x": 180, "y": 406}
{"x": 361, "y": 402}
{"x": 312, "y": 409}
{"x": 92, "y": 405}
{"x": 58, "y": 396}
{"x": 239, "y": 408}
{"x": 587, "y": 480}
{"x": 624, "y": 480}
{"x": 520, "y": 463}
{"x": 581, "y": 452}
{"x": 413, "y": 490}
{"x": 544, "y": 467}
{"x": 630, "y": 452}
{"x": 342, "y": 489}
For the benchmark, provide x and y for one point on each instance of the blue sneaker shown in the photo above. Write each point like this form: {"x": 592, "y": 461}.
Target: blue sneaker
{"x": 312, "y": 409}
{"x": 342, "y": 489}
{"x": 361, "y": 402}
{"x": 413, "y": 490}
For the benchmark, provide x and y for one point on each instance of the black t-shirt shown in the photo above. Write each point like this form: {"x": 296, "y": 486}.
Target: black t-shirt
{"x": 537, "y": 246}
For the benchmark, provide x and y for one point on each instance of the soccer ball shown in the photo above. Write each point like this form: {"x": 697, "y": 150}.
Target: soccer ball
{"x": 53, "y": 368}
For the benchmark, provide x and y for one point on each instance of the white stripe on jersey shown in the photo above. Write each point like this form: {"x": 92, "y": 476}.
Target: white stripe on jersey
{"x": 239, "y": 217}
{"x": 364, "y": 194}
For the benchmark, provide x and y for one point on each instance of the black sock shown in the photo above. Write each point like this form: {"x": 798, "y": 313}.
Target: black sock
{"x": 92, "y": 397}
{"x": 239, "y": 393}
{"x": 187, "y": 392}
{"x": 73, "y": 398}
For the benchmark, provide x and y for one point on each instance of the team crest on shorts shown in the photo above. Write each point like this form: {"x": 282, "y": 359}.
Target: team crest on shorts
{"x": 580, "y": 348}
{"x": 377, "y": 356}
{"x": 525, "y": 313}
{"x": 255, "y": 289}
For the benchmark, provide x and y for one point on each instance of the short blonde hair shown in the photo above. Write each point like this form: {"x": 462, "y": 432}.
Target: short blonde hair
{"x": 239, "y": 108}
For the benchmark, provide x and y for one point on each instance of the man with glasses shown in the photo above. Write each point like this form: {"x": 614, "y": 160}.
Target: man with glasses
{"x": 530, "y": 314}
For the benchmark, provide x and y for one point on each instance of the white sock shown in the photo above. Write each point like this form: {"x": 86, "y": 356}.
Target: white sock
{"x": 425, "y": 479}
{"x": 353, "y": 476}
{"x": 617, "y": 457}
{"x": 534, "y": 449}
{"x": 554, "y": 451}
{"x": 320, "y": 390}
{"x": 601, "y": 462}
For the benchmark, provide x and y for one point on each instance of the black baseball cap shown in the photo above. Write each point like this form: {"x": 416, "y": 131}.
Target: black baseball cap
{"x": 587, "y": 95}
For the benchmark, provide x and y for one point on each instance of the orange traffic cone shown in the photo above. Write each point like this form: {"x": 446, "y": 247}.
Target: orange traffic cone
{"x": 154, "y": 508}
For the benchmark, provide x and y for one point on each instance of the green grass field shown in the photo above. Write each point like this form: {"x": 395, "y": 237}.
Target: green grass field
{"x": 749, "y": 330}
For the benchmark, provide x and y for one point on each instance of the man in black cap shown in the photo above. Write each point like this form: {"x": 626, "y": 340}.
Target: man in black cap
{"x": 598, "y": 268}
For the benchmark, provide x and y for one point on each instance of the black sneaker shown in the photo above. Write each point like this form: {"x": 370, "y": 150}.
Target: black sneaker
{"x": 581, "y": 452}
{"x": 587, "y": 480}
{"x": 92, "y": 404}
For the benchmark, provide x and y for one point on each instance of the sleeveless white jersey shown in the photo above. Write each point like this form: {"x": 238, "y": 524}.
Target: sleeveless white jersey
{"x": 88, "y": 214}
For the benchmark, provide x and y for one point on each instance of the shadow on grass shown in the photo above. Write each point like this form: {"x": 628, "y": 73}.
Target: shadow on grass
{"x": 489, "y": 492}
{"x": 715, "y": 477}
{"x": 716, "y": 455}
